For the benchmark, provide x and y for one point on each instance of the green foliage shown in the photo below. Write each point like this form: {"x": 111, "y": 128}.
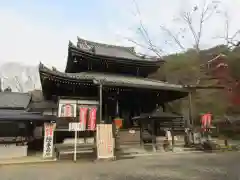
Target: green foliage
{"x": 234, "y": 63}
{"x": 184, "y": 68}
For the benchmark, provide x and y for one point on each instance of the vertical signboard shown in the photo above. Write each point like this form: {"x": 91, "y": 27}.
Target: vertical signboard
{"x": 74, "y": 126}
{"x": 105, "y": 141}
{"x": 48, "y": 140}
{"x": 67, "y": 108}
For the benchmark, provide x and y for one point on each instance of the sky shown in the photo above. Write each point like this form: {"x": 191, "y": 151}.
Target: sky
{"x": 39, "y": 31}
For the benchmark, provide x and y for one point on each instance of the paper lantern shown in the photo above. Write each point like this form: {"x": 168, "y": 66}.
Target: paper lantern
{"x": 118, "y": 122}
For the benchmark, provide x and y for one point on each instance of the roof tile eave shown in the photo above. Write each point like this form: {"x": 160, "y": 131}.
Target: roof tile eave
{"x": 94, "y": 43}
{"x": 115, "y": 79}
{"x": 147, "y": 61}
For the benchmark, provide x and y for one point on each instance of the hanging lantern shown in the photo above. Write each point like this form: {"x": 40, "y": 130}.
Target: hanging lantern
{"x": 118, "y": 122}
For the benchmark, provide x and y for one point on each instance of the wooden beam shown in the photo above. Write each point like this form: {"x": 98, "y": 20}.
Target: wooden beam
{"x": 204, "y": 87}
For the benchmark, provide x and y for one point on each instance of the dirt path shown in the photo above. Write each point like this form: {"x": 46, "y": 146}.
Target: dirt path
{"x": 197, "y": 166}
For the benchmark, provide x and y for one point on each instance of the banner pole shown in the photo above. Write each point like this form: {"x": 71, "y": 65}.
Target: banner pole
{"x": 75, "y": 146}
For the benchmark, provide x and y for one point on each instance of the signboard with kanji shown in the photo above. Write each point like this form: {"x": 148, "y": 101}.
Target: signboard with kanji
{"x": 74, "y": 126}
{"x": 67, "y": 108}
{"x": 48, "y": 140}
{"x": 105, "y": 141}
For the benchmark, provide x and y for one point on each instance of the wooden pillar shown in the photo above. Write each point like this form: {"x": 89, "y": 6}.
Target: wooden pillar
{"x": 100, "y": 103}
{"x": 190, "y": 122}
{"x": 173, "y": 139}
{"x": 117, "y": 104}
{"x": 117, "y": 108}
{"x": 106, "y": 113}
{"x": 153, "y": 135}
{"x": 191, "y": 119}
{"x": 164, "y": 107}
{"x": 141, "y": 133}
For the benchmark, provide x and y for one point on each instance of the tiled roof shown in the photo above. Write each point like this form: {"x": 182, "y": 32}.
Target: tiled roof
{"x": 114, "y": 80}
{"x": 18, "y": 115}
{"x": 14, "y": 100}
{"x": 111, "y": 50}
{"x": 43, "y": 105}
{"x": 159, "y": 114}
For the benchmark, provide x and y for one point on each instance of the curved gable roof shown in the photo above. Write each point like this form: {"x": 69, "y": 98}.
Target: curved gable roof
{"x": 14, "y": 100}
{"x": 120, "y": 52}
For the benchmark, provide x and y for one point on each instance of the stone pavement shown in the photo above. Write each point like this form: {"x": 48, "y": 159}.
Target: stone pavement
{"x": 25, "y": 160}
{"x": 169, "y": 166}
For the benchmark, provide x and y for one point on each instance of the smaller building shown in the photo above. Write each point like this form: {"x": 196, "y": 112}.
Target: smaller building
{"x": 17, "y": 124}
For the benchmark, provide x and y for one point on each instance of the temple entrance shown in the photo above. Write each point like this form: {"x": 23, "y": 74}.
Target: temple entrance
{"x": 76, "y": 128}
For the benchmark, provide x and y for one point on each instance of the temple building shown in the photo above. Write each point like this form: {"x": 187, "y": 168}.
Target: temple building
{"x": 111, "y": 78}
{"x": 18, "y": 120}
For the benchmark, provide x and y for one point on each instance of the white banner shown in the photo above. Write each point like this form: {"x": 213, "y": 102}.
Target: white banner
{"x": 48, "y": 140}
{"x": 74, "y": 126}
{"x": 67, "y": 108}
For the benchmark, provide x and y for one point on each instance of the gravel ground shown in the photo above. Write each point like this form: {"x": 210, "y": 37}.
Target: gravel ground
{"x": 167, "y": 166}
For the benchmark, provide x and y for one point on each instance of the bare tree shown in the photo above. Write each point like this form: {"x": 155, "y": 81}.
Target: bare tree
{"x": 232, "y": 41}
{"x": 142, "y": 30}
{"x": 174, "y": 37}
{"x": 194, "y": 26}
{"x": 18, "y": 86}
{"x": 190, "y": 25}
{"x": 32, "y": 82}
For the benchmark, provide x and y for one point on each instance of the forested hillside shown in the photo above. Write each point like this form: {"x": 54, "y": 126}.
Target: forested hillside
{"x": 188, "y": 68}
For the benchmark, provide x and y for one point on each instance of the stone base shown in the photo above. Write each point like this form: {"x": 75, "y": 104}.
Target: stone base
{"x": 12, "y": 151}
{"x": 107, "y": 159}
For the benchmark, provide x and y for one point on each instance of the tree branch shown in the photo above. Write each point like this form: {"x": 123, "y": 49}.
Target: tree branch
{"x": 174, "y": 37}
{"x": 205, "y": 14}
{"x": 231, "y": 42}
{"x": 31, "y": 80}
{"x": 144, "y": 33}
{"x": 19, "y": 87}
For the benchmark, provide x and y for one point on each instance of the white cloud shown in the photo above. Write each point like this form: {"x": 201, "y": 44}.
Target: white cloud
{"x": 29, "y": 42}
{"x": 155, "y": 13}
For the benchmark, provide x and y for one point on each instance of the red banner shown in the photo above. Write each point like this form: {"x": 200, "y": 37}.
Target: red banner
{"x": 83, "y": 117}
{"x": 48, "y": 130}
{"x": 206, "y": 121}
{"x": 92, "y": 119}
{"x": 48, "y": 139}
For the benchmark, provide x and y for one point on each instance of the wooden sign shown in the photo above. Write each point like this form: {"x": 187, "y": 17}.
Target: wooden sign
{"x": 48, "y": 140}
{"x": 74, "y": 126}
{"x": 67, "y": 108}
{"x": 105, "y": 141}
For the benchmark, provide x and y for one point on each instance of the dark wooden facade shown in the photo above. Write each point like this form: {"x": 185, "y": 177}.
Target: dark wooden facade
{"x": 16, "y": 122}
{"x": 114, "y": 74}
{"x": 98, "y": 57}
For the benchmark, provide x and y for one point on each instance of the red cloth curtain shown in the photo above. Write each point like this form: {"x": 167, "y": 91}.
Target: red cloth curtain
{"x": 92, "y": 118}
